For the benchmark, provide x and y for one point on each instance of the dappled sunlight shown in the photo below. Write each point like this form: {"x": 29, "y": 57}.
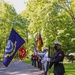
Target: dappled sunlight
{"x": 53, "y": 19}
{"x": 19, "y": 68}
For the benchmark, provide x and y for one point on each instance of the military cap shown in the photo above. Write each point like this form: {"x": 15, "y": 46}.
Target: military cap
{"x": 57, "y": 43}
{"x": 46, "y": 48}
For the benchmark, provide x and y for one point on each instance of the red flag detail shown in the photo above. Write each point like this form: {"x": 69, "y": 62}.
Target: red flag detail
{"x": 22, "y": 53}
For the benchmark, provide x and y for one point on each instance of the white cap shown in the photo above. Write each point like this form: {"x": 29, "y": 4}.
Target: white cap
{"x": 46, "y": 48}
{"x": 57, "y": 42}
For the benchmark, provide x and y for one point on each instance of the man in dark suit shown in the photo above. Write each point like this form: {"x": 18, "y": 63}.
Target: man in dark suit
{"x": 57, "y": 60}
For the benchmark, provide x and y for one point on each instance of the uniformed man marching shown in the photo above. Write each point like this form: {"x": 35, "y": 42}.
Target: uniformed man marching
{"x": 57, "y": 60}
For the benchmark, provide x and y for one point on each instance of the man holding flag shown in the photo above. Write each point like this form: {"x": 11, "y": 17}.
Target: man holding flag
{"x": 44, "y": 54}
{"x": 14, "y": 43}
{"x": 45, "y": 58}
{"x": 39, "y": 45}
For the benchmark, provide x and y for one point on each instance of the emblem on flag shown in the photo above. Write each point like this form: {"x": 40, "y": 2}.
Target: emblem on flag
{"x": 15, "y": 41}
{"x": 10, "y": 48}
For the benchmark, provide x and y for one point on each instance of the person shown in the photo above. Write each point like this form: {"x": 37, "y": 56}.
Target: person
{"x": 57, "y": 60}
{"x": 39, "y": 62}
{"x": 44, "y": 56}
{"x": 32, "y": 60}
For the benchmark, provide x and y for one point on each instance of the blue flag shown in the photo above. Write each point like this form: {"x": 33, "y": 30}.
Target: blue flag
{"x": 14, "y": 43}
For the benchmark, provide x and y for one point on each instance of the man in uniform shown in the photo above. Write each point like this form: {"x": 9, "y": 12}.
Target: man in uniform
{"x": 34, "y": 59}
{"x": 44, "y": 56}
{"x": 57, "y": 60}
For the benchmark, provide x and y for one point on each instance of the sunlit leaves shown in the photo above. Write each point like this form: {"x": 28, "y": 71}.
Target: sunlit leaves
{"x": 10, "y": 19}
{"x": 54, "y": 19}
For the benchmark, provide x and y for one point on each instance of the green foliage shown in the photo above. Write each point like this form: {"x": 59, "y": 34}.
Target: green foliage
{"x": 10, "y": 19}
{"x": 55, "y": 19}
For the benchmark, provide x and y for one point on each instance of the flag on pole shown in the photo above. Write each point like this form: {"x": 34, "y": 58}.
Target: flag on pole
{"x": 39, "y": 43}
{"x": 13, "y": 44}
{"x": 22, "y": 53}
{"x": 34, "y": 49}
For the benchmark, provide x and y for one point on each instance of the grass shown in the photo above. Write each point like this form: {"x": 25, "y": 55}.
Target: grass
{"x": 27, "y": 61}
{"x": 69, "y": 68}
{"x": 1, "y": 56}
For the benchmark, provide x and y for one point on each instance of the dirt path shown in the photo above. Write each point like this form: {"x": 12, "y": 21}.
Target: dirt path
{"x": 19, "y": 68}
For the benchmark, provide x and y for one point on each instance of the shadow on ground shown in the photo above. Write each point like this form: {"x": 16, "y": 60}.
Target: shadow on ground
{"x": 19, "y": 68}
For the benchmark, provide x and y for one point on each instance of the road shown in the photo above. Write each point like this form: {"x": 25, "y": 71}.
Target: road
{"x": 19, "y": 68}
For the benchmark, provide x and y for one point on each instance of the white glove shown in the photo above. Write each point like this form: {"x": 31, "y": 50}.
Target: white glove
{"x": 43, "y": 60}
{"x": 48, "y": 59}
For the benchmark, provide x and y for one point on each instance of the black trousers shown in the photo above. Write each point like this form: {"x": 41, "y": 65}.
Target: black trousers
{"x": 34, "y": 62}
{"x": 58, "y": 74}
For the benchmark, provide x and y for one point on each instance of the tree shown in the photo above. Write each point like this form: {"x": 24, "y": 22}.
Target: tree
{"x": 54, "y": 19}
{"x": 10, "y": 19}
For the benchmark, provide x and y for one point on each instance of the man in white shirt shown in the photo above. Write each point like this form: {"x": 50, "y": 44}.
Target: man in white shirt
{"x": 44, "y": 56}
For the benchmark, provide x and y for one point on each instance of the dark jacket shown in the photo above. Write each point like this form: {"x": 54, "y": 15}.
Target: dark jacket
{"x": 57, "y": 60}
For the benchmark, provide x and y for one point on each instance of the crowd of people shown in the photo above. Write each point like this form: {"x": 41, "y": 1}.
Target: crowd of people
{"x": 57, "y": 60}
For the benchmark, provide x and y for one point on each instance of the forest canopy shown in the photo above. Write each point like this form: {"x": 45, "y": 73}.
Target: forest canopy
{"x": 54, "y": 19}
